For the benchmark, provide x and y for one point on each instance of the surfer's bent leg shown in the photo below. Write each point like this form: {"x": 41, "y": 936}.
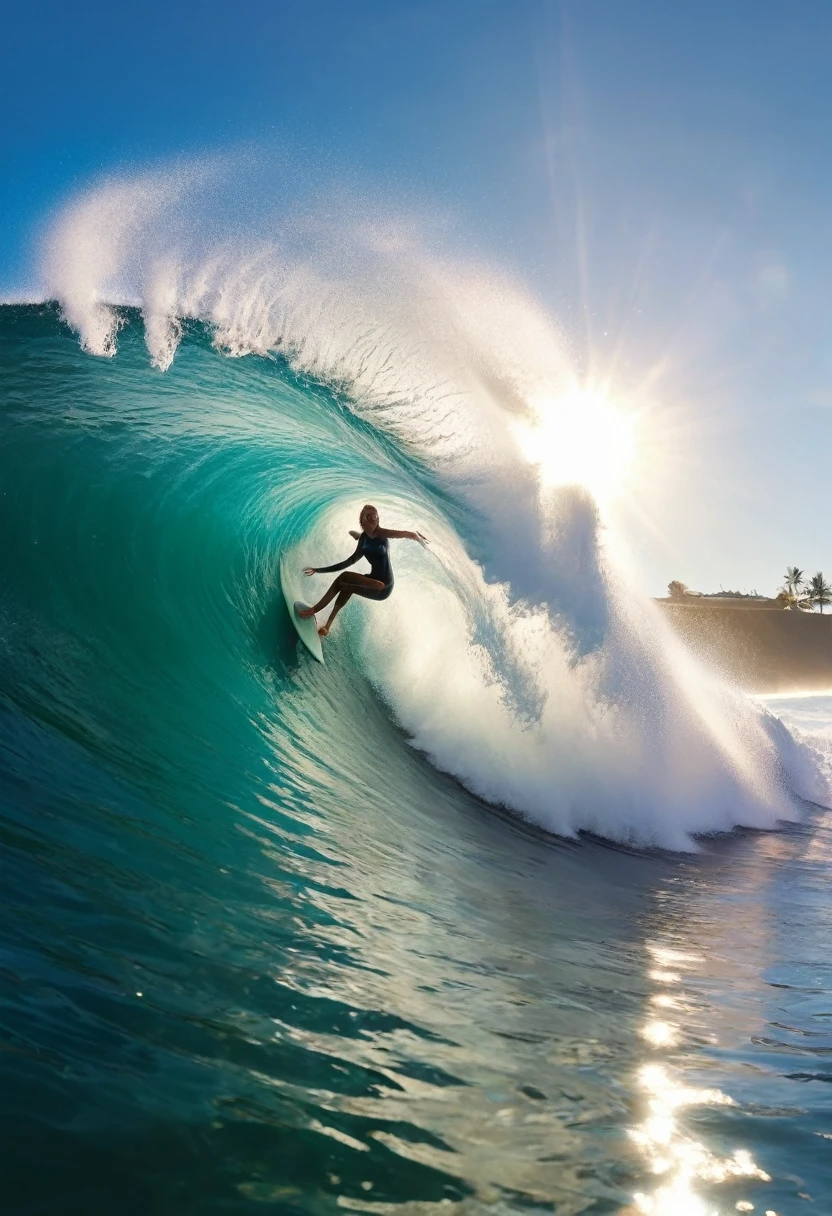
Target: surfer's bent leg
{"x": 343, "y": 596}
{"x": 369, "y": 588}
{"x": 355, "y": 582}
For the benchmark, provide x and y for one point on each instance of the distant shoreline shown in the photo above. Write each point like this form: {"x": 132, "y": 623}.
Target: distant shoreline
{"x": 763, "y": 649}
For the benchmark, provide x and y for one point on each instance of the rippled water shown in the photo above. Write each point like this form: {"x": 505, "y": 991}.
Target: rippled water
{"x": 280, "y": 1010}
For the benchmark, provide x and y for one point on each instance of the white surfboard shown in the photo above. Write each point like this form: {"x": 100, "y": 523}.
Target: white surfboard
{"x": 307, "y": 630}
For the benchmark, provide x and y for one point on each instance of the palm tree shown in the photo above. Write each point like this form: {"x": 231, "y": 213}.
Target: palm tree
{"x": 794, "y": 580}
{"x": 820, "y": 591}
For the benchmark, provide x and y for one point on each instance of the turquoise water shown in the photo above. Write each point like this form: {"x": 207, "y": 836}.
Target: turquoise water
{"x": 394, "y": 932}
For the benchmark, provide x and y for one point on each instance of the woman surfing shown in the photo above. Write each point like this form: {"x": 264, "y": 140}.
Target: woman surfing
{"x": 374, "y": 544}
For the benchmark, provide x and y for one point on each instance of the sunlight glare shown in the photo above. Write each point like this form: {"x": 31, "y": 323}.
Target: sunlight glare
{"x": 660, "y": 1034}
{"x": 580, "y": 438}
{"x": 677, "y": 1158}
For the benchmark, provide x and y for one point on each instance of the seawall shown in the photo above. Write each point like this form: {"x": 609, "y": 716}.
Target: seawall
{"x": 762, "y": 650}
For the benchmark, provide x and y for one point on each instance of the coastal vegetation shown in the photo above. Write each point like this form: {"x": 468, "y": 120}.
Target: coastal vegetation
{"x": 804, "y": 593}
{"x": 798, "y": 593}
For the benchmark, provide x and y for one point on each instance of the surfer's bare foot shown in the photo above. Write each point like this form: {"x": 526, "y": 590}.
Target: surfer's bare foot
{"x": 323, "y": 631}
{"x": 305, "y": 613}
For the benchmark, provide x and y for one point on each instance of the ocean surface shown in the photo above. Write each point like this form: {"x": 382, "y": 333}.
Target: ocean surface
{"x": 508, "y": 907}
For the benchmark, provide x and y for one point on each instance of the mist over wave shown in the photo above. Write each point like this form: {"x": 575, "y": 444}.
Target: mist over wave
{"x": 515, "y": 654}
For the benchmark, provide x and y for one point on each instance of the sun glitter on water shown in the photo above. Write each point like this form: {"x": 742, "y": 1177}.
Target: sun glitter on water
{"x": 682, "y": 1164}
{"x": 581, "y": 438}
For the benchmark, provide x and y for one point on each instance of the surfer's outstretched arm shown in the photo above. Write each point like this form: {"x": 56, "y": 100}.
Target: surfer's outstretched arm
{"x": 399, "y": 534}
{"x": 349, "y": 561}
{"x": 396, "y": 534}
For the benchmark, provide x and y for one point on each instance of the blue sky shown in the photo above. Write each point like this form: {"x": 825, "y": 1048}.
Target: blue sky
{"x": 658, "y": 172}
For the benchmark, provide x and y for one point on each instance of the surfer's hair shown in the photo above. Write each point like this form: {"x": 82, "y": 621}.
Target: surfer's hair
{"x": 368, "y": 506}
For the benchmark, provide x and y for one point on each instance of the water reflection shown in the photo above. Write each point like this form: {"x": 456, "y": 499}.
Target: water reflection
{"x": 683, "y": 1163}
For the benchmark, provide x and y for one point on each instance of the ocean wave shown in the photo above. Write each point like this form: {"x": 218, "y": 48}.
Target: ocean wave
{"x": 515, "y": 655}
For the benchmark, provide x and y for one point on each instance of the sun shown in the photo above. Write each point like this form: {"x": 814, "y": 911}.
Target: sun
{"x": 581, "y": 438}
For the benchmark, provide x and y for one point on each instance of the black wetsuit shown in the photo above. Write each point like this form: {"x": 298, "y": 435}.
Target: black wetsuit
{"x": 376, "y": 549}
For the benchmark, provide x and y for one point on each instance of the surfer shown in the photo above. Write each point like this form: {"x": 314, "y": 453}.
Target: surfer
{"x": 374, "y": 544}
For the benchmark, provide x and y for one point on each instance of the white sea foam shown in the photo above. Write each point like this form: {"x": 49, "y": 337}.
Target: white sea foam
{"x": 535, "y": 673}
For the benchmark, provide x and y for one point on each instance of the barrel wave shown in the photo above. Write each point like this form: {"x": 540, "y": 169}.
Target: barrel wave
{"x": 203, "y": 820}
{"x": 367, "y": 367}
